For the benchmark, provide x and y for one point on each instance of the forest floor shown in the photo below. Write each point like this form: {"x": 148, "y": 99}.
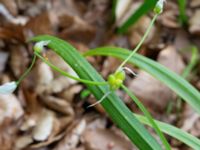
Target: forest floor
{"x": 49, "y": 111}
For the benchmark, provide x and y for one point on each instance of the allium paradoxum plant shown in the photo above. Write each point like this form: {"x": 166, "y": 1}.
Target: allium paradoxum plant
{"x": 114, "y": 81}
{"x": 38, "y": 48}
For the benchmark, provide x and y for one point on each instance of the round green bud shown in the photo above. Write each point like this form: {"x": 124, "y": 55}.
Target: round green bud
{"x": 120, "y": 75}
{"x": 116, "y": 80}
{"x": 111, "y": 80}
{"x": 157, "y": 10}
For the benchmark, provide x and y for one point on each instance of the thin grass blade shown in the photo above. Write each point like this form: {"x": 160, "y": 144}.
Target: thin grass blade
{"x": 178, "y": 134}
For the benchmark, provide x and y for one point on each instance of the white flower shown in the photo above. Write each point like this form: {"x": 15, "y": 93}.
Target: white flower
{"x": 8, "y": 88}
{"x": 158, "y": 9}
{"x": 40, "y": 45}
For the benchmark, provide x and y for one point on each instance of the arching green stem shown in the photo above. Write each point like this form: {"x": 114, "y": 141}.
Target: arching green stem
{"x": 66, "y": 74}
{"x": 27, "y": 71}
{"x": 148, "y": 115}
{"x": 140, "y": 43}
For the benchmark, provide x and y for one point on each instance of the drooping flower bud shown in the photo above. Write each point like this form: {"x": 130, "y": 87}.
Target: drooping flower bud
{"x": 38, "y": 47}
{"x": 8, "y": 88}
{"x": 158, "y": 9}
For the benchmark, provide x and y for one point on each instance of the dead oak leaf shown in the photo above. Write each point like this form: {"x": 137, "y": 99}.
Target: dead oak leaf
{"x": 151, "y": 91}
{"x": 104, "y": 139}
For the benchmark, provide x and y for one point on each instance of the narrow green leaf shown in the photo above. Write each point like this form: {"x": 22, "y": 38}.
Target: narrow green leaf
{"x": 178, "y": 134}
{"x": 182, "y": 12}
{"x": 113, "y": 105}
{"x": 192, "y": 63}
{"x": 143, "y": 9}
{"x": 114, "y": 4}
{"x": 178, "y": 84}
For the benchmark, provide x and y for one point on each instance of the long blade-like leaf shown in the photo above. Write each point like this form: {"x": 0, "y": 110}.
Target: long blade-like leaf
{"x": 180, "y": 135}
{"x": 179, "y": 85}
{"x": 117, "y": 110}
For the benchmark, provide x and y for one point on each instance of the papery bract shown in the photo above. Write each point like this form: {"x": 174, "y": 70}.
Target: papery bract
{"x": 8, "y": 88}
{"x": 40, "y": 45}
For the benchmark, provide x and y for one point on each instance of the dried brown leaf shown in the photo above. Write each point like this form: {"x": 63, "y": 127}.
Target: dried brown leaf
{"x": 18, "y": 60}
{"x": 151, "y": 91}
{"x": 77, "y": 29}
{"x": 170, "y": 58}
{"x": 131, "y": 8}
{"x": 3, "y": 60}
{"x": 10, "y": 18}
{"x": 103, "y": 139}
{"x": 137, "y": 31}
{"x": 11, "y": 6}
{"x": 23, "y": 142}
{"x": 12, "y": 33}
{"x": 121, "y": 8}
{"x": 95, "y": 121}
{"x": 72, "y": 138}
{"x": 40, "y": 24}
{"x": 169, "y": 17}
{"x": 10, "y": 108}
{"x": 44, "y": 126}
{"x": 190, "y": 121}
{"x": 58, "y": 104}
{"x": 69, "y": 93}
{"x": 59, "y": 84}
{"x": 195, "y": 3}
{"x": 195, "y": 23}
{"x": 46, "y": 143}
{"x": 44, "y": 77}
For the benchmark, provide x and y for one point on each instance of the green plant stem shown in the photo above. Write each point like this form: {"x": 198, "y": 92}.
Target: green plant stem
{"x": 192, "y": 62}
{"x": 27, "y": 71}
{"x": 140, "y": 43}
{"x": 66, "y": 74}
{"x": 148, "y": 115}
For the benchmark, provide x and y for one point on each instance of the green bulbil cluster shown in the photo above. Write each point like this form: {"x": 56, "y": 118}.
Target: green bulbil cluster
{"x": 116, "y": 80}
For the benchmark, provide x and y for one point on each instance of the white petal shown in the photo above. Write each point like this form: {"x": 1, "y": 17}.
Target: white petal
{"x": 8, "y": 88}
{"x": 40, "y": 45}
